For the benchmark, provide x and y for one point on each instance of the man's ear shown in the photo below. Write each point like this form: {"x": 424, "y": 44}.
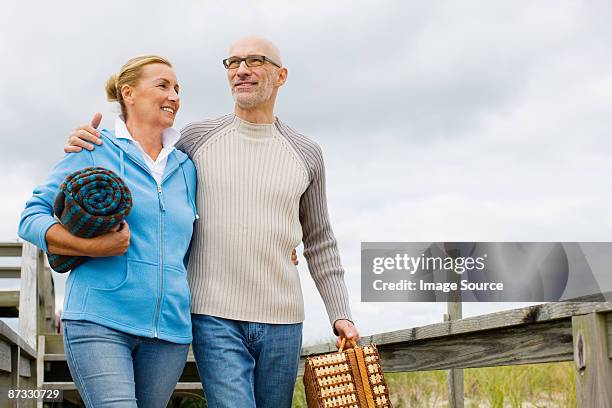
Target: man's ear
{"x": 126, "y": 94}
{"x": 281, "y": 76}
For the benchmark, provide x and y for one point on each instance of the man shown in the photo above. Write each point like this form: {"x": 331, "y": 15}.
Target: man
{"x": 261, "y": 190}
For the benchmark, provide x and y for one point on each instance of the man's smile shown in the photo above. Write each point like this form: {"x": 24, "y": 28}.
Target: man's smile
{"x": 244, "y": 85}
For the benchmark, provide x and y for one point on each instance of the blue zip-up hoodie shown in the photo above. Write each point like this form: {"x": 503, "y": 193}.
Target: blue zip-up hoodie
{"x": 145, "y": 291}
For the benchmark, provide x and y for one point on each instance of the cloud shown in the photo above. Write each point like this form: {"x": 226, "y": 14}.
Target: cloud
{"x": 473, "y": 120}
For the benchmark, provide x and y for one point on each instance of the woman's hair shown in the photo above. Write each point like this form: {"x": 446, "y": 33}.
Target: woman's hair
{"x": 129, "y": 74}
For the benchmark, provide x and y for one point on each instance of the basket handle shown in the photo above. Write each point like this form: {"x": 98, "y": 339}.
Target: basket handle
{"x": 343, "y": 343}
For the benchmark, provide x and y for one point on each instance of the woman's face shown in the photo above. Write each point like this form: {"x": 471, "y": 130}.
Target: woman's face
{"x": 155, "y": 98}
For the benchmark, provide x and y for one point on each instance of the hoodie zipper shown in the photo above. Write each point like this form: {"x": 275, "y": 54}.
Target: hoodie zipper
{"x": 162, "y": 209}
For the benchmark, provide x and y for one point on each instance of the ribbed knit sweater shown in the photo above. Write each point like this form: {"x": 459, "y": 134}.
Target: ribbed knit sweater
{"x": 261, "y": 191}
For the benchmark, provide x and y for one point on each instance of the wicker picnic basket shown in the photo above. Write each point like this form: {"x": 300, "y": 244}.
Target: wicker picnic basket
{"x": 352, "y": 378}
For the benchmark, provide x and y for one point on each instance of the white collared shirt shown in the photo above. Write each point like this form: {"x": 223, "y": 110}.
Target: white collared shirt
{"x": 169, "y": 138}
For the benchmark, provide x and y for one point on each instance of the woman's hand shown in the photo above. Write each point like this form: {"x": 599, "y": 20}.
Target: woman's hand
{"x": 114, "y": 243}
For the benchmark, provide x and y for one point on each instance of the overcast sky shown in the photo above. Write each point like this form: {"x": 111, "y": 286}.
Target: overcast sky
{"x": 439, "y": 121}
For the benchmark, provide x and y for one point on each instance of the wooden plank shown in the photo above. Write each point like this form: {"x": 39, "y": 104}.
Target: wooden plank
{"x": 54, "y": 348}
{"x": 54, "y": 357}
{"x": 593, "y": 366}
{"x": 54, "y": 343}
{"x": 9, "y": 335}
{"x": 537, "y": 343}
{"x": 66, "y": 386}
{"x": 9, "y": 312}
{"x": 10, "y": 249}
{"x": 609, "y": 329}
{"x": 15, "y": 372}
{"x": 9, "y": 298}
{"x": 25, "y": 367}
{"x": 46, "y": 292}
{"x": 186, "y": 386}
{"x": 9, "y": 303}
{"x": 5, "y": 356}
{"x": 40, "y": 362}
{"x": 544, "y": 342}
{"x": 31, "y": 264}
{"x": 10, "y": 272}
{"x": 508, "y": 318}
{"x": 58, "y": 386}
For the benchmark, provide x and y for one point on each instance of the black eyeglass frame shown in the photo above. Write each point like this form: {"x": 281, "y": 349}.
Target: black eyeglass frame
{"x": 234, "y": 58}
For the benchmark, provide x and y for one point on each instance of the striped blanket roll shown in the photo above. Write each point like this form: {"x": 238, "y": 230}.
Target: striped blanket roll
{"x": 90, "y": 202}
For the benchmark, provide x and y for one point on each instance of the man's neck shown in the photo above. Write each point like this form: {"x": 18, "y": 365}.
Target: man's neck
{"x": 149, "y": 137}
{"x": 255, "y": 115}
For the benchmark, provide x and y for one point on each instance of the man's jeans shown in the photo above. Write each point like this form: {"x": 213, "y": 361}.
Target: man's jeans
{"x": 246, "y": 364}
{"x": 115, "y": 369}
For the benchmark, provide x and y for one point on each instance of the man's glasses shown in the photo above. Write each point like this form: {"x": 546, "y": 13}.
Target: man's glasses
{"x": 250, "y": 61}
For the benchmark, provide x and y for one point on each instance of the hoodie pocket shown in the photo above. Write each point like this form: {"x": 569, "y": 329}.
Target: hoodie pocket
{"x": 132, "y": 302}
{"x": 175, "y": 311}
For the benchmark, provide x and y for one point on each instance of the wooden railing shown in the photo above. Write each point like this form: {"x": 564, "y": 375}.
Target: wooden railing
{"x": 34, "y": 305}
{"x": 550, "y": 332}
{"x": 34, "y": 357}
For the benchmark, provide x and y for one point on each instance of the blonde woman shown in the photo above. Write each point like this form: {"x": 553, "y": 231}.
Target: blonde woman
{"x": 127, "y": 325}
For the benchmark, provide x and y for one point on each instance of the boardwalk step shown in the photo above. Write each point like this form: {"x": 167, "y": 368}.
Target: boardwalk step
{"x": 9, "y": 303}
{"x": 66, "y": 386}
{"x": 10, "y": 249}
{"x": 62, "y": 357}
{"x": 54, "y": 349}
{"x": 10, "y": 272}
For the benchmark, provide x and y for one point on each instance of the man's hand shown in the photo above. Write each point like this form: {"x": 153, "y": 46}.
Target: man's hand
{"x": 294, "y": 259}
{"x": 346, "y": 329}
{"x": 82, "y": 135}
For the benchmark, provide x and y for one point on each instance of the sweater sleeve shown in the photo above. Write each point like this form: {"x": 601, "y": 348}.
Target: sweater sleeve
{"x": 37, "y": 217}
{"x": 320, "y": 247}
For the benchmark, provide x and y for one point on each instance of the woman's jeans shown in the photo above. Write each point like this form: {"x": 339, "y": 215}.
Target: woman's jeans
{"x": 115, "y": 369}
{"x": 246, "y": 364}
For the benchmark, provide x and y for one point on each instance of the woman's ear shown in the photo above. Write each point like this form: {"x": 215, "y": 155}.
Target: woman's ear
{"x": 127, "y": 94}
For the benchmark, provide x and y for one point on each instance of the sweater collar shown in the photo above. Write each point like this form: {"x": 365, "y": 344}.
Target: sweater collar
{"x": 253, "y": 130}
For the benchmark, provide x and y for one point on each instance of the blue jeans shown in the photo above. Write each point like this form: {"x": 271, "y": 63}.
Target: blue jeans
{"x": 246, "y": 364}
{"x": 115, "y": 369}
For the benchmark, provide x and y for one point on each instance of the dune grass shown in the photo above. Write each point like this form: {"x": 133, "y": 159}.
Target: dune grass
{"x": 527, "y": 386}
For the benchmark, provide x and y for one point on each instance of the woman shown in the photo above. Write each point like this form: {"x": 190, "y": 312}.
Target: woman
{"x": 126, "y": 316}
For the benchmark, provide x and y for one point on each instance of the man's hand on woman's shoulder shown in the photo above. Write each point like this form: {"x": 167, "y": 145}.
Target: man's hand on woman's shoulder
{"x": 83, "y": 136}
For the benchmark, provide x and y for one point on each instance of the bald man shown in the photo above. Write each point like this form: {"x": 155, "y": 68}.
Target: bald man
{"x": 261, "y": 191}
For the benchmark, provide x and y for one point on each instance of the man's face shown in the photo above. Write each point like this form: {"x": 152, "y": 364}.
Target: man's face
{"x": 251, "y": 86}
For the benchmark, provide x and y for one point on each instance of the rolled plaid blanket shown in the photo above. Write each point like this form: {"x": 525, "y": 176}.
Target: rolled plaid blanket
{"x": 90, "y": 202}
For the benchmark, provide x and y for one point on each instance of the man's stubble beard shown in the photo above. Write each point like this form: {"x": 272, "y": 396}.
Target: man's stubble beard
{"x": 251, "y": 100}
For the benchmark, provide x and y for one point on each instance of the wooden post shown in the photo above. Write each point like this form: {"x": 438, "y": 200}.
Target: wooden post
{"x": 14, "y": 374}
{"x": 593, "y": 364}
{"x": 454, "y": 312}
{"x": 455, "y": 375}
{"x": 31, "y": 265}
{"x": 40, "y": 366}
{"x": 41, "y": 289}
